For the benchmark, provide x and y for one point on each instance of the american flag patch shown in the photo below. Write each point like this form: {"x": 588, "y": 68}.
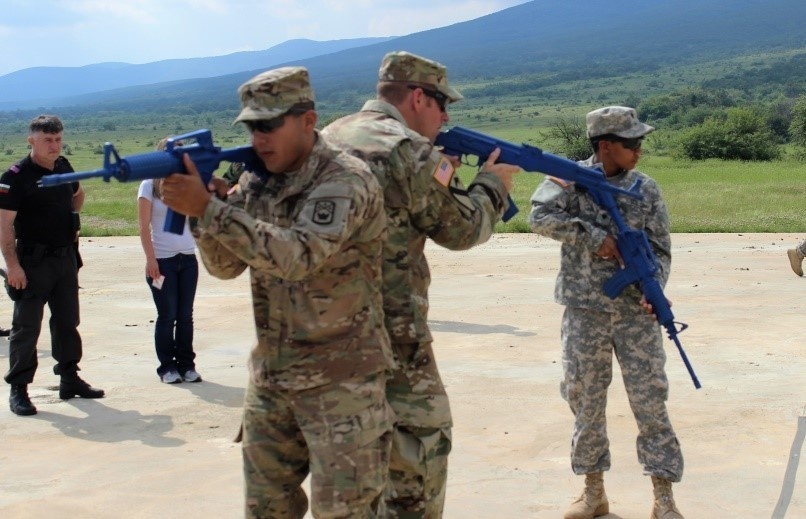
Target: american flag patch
{"x": 4, "y": 189}
{"x": 444, "y": 172}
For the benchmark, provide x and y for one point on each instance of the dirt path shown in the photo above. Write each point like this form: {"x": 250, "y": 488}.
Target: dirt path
{"x": 149, "y": 449}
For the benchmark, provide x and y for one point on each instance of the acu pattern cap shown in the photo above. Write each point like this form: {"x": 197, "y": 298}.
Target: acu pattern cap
{"x": 404, "y": 67}
{"x": 617, "y": 120}
{"x": 274, "y": 92}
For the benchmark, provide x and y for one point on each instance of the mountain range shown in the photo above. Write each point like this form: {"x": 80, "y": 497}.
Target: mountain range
{"x": 35, "y": 85}
{"x": 549, "y": 40}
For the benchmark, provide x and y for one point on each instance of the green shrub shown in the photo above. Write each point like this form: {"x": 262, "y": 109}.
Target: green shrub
{"x": 738, "y": 134}
{"x": 797, "y": 128}
{"x": 571, "y": 136}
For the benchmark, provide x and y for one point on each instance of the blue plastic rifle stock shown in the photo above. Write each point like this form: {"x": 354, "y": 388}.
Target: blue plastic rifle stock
{"x": 160, "y": 164}
{"x": 460, "y": 142}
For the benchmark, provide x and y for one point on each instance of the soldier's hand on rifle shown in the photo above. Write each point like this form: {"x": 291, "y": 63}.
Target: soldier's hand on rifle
{"x": 609, "y": 251}
{"x": 219, "y": 187}
{"x": 186, "y": 193}
{"x": 456, "y": 162}
{"x": 500, "y": 170}
{"x": 648, "y": 307}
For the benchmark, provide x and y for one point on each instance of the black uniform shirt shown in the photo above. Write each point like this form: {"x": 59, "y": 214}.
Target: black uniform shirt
{"x": 44, "y": 214}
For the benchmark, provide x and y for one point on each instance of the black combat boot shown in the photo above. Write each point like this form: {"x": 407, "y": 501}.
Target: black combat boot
{"x": 19, "y": 401}
{"x": 72, "y": 385}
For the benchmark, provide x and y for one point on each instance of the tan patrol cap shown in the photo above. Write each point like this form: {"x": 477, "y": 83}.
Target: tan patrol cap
{"x": 274, "y": 92}
{"x": 404, "y": 67}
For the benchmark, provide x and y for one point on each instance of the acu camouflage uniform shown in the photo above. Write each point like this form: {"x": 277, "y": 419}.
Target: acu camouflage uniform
{"x": 315, "y": 402}
{"x": 423, "y": 199}
{"x": 594, "y": 326}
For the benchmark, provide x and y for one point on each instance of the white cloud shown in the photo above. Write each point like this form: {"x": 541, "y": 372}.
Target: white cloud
{"x": 113, "y": 12}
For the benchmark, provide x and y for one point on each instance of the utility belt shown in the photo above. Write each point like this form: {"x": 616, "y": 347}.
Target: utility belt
{"x": 39, "y": 250}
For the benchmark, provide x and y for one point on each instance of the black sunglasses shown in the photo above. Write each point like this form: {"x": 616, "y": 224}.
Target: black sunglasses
{"x": 269, "y": 125}
{"x": 630, "y": 144}
{"x": 436, "y": 95}
{"x": 265, "y": 125}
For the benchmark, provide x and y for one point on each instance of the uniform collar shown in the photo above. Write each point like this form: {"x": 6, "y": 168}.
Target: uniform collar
{"x": 377, "y": 105}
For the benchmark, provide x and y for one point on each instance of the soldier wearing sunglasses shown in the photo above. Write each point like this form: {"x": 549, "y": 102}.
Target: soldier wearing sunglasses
{"x": 310, "y": 230}
{"x": 424, "y": 199}
{"x": 594, "y": 327}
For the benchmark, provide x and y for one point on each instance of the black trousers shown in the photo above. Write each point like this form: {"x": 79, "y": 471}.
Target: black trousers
{"x": 52, "y": 279}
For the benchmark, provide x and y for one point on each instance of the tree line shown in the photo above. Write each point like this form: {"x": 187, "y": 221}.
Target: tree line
{"x": 701, "y": 124}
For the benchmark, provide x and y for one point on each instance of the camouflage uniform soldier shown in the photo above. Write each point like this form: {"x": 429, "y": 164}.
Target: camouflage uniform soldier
{"x": 594, "y": 326}
{"x": 424, "y": 199}
{"x": 310, "y": 230}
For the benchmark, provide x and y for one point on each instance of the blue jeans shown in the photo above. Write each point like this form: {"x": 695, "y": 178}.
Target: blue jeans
{"x": 173, "y": 333}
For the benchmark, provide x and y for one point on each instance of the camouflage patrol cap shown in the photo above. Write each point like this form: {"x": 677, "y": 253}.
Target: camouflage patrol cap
{"x": 617, "y": 120}
{"x": 404, "y": 67}
{"x": 274, "y": 92}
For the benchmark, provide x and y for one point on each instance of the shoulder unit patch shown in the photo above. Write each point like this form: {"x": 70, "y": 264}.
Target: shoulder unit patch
{"x": 324, "y": 212}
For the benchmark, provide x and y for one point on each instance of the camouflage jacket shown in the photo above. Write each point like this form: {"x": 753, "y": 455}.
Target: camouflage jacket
{"x": 312, "y": 240}
{"x": 423, "y": 199}
{"x": 565, "y": 213}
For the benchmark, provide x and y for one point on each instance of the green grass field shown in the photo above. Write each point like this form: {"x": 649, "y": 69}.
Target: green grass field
{"x": 708, "y": 196}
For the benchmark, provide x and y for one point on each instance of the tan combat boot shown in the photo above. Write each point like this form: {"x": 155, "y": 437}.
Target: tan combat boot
{"x": 593, "y": 501}
{"x": 664, "y": 507}
{"x": 795, "y": 261}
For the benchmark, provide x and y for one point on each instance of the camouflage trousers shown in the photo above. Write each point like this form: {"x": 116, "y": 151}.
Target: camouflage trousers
{"x": 589, "y": 339}
{"x": 418, "y": 467}
{"x": 802, "y": 247}
{"x": 340, "y": 433}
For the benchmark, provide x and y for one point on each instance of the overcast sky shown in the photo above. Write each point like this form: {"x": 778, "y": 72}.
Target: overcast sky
{"x": 73, "y": 33}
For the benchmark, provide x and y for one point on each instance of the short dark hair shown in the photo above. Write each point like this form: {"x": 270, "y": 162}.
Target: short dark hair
{"x": 392, "y": 92}
{"x": 46, "y": 124}
{"x": 301, "y": 108}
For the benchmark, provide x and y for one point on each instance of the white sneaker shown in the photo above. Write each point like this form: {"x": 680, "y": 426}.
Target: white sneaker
{"x": 191, "y": 375}
{"x": 170, "y": 377}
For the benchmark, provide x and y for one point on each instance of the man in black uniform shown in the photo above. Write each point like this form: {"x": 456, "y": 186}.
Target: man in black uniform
{"x": 38, "y": 230}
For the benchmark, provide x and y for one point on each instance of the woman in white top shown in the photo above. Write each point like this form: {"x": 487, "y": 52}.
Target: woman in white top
{"x": 172, "y": 273}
